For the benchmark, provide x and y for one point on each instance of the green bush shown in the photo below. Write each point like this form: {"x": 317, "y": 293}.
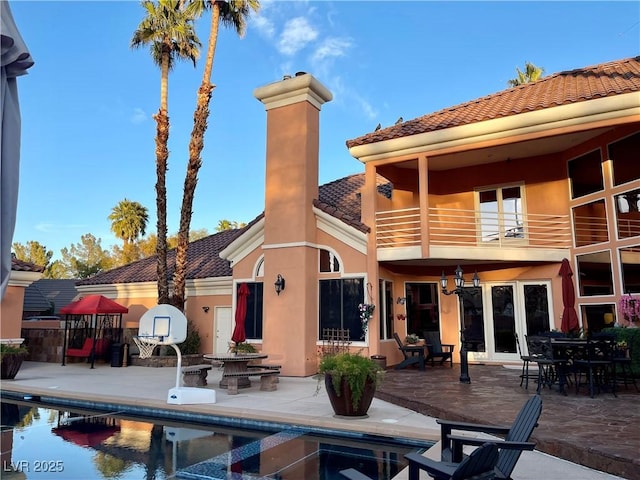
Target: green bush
{"x": 354, "y": 367}
{"x": 12, "y": 349}
{"x": 242, "y": 347}
{"x": 191, "y": 344}
{"x": 631, "y": 336}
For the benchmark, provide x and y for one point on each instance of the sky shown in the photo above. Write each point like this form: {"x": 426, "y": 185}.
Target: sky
{"x": 87, "y": 103}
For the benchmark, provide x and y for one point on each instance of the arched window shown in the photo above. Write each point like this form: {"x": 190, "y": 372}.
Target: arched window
{"x": 329, "y": 262}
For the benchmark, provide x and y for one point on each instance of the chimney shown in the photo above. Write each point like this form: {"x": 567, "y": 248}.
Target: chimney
{"x": 289, "y": 321}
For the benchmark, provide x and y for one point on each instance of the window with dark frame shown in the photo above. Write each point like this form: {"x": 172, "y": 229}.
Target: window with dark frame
{"x": 339, "y": 300}
{"x": 253, "y": 320}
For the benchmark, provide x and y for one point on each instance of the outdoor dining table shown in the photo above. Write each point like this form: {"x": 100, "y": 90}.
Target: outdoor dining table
{"x": 234, "y": 363}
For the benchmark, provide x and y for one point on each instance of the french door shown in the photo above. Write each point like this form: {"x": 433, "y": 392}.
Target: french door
{"x": 494, "y": 312}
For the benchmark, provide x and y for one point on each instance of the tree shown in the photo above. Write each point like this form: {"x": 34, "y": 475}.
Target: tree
{"x": 228, "y": 225}
{"x": 86, "y": 258}
{"x": 128, "y": 221}
{"x": 34, "y": 252}
{"x": 531, "y": 74}
{"x": 169, "y": 31}
{"x": 234, "y": 14}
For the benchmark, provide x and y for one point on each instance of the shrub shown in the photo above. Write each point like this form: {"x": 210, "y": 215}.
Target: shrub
{"x": 354, "y": 367}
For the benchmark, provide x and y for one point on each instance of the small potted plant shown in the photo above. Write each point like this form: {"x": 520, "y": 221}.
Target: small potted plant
{"x": 411, "y": 339}
{"x": 11, "y": 357}
{"x": 242, "y": 347}
{"x": 351, "y": 380}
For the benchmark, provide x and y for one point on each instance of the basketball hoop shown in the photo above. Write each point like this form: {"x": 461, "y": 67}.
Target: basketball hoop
{"x": 146, "y": 345}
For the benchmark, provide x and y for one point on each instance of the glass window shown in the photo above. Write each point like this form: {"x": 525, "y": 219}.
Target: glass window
{"x": 585, "y": 174}
{"x": 630, "y": 264}
{"x": 597, "y": 317}
{"x": 422, "y": 308}
{"x": 628, "y": 214}
{"x": 624, "y": 157}
{"x": 501, "y": 213}
{"x": 253, "y": 320}
{"x": 536, "y": 308}
{"x": 590, "y": 223}
{"x": 339, "y": 300}
{"x": 328, "y": 261}
{"x": 594, "y": 274}
{"x": 385, "y": 294}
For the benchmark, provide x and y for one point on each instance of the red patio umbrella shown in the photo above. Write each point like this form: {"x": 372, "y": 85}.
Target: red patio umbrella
{"x": 569, "y": 315}
{"x": 239, "y": 334}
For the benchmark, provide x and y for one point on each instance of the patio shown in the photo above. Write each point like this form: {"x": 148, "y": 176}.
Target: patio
{"x": 602, "y": 432}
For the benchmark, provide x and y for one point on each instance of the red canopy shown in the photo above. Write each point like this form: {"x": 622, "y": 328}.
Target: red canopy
{"x": 569, "y": 316}
{"x": 93, "y": 304}
{"x": 86, "y": 436}
{"x": 239, "y": 334}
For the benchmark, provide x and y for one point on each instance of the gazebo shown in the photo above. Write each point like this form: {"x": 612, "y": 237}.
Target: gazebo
{"x": 91, "y": 325}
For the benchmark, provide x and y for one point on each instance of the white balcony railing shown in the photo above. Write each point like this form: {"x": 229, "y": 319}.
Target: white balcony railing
{"x": 472, "y": 228}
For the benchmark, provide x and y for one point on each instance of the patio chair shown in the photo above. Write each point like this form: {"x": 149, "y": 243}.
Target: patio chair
{"x": 479, "y": 464}
{"x": 597, "y": 365}
{"x": 437, "y": 349}
{"x": 525, "y": 375}
{"x": 550, "y": 368}
{"x": 516, "y": 438}
{"x": 412, "y": 354}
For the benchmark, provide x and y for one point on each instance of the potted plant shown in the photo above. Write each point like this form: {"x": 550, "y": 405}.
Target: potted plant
{"x": 11, "y": 357}
{"x": 242, "y": 347}
{"x": 351, "y": 381}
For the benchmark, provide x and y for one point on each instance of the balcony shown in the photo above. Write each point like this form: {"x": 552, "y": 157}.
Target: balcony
{"x": 472, "y": 234}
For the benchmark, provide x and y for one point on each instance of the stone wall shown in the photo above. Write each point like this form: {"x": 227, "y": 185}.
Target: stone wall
{"x": 44, "y": 344}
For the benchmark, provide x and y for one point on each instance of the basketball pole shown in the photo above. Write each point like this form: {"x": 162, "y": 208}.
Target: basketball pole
{"x": 179, "y": 369}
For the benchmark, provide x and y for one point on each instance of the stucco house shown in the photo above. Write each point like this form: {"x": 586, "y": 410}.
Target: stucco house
{"x": 505, "y": 186}
{"x": 22, "y": 275}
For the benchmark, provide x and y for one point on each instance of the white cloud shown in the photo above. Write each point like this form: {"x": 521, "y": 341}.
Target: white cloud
{"x": 264, "y": 25}
{"x": 331, "y": 48}
{"x": 138, "y": 116}
{"x": 297, "y": 33}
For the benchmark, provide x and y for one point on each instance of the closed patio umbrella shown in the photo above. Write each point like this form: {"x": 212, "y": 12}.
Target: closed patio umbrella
{"x": 569, "y": 316}
{"x": 239, "y": 334}
{"x": 14, "y": 61}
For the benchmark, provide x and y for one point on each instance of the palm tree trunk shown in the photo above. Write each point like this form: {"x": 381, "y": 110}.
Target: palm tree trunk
{"x": 196, "y": 144}
{"x": 162, "y": 156}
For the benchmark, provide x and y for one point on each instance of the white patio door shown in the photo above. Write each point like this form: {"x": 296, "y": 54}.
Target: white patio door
{"x": 222, "y": 325}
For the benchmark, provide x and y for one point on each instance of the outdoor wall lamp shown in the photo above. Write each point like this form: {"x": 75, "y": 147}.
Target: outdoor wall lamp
{"x": 401, "y": 300}
{"x": 279, "y": 284}
{"x": 205, "y": 309}
{"x": 464, "y": 349}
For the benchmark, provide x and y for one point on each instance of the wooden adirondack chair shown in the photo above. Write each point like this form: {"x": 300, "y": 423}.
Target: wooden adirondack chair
{"x": 480, "y": 464}
{"x": 437, "y": 349}
{"x": 515, "y": 442}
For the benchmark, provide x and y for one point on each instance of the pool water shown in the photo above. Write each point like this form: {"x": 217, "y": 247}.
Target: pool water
{"x": 53, "y": 442}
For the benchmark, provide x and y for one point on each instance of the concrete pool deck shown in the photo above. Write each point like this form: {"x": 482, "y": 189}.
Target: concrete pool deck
{"x": 295, "y": 401}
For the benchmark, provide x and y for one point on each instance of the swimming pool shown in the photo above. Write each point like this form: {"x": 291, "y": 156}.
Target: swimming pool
{"x": 42, "y": 441}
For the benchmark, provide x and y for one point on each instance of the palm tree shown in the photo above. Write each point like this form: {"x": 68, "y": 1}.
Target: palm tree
{"x": 169, "y": 31}
{"x": 231, "y": 13}
{"x": 531, "y": 74}
{"x": 128, "y": 221}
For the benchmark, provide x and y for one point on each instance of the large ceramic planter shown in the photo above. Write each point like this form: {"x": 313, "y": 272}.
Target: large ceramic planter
{"x": 10, "y": 364}
{"x": 343, "y": 404}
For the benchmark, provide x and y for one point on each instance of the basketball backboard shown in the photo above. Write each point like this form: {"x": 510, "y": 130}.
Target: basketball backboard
{"x": 164, "y": 322}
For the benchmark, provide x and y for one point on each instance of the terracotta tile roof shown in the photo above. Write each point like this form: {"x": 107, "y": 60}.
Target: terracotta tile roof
{"x": 342, "y": 199}
{"x": 203, "y": 261}
{"x": 20, "y": 266}
{"x": 589, "y": 83}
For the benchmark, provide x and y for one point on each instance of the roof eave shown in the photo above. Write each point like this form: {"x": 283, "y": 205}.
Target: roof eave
{"x": 576, "y": 116}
